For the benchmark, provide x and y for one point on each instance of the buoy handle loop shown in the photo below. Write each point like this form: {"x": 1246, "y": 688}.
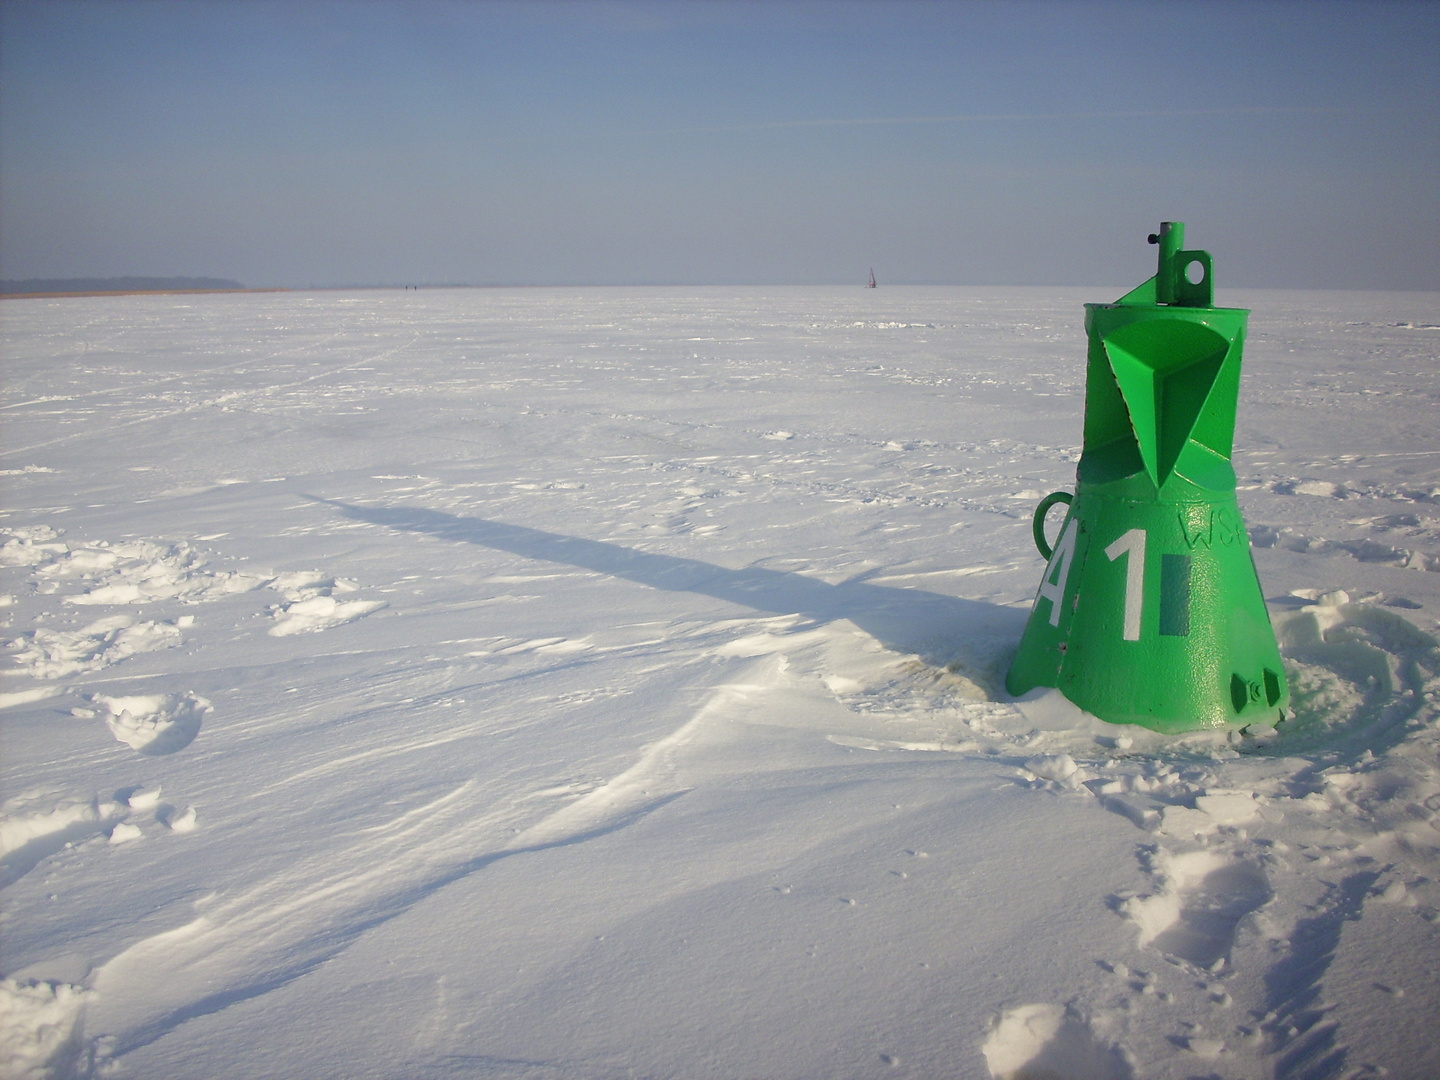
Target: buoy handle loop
{"x": 1040, "y": 511}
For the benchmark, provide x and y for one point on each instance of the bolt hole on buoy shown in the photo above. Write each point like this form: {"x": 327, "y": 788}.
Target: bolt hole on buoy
{"x": 1195, "y": 272}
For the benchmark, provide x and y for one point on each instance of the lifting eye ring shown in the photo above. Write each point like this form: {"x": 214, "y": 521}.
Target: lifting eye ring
{"x": 1039, "y": 526}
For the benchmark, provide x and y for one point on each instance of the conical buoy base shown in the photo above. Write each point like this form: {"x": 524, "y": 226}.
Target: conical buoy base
{"x": 1151, "y": 613}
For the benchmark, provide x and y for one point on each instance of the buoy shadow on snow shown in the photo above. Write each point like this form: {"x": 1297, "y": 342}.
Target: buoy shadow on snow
{"x": 946, "y": 631}
{"x": 1357, "y": 672}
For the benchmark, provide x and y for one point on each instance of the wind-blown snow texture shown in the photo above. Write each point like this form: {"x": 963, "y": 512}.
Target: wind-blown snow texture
{"x": 607, "y": 683}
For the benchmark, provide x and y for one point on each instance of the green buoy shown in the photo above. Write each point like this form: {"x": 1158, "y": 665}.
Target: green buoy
{"x": 1150, "y": 610}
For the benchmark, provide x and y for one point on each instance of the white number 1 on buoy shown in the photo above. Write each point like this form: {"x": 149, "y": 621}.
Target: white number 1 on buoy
{"x": 1132, "y": 543}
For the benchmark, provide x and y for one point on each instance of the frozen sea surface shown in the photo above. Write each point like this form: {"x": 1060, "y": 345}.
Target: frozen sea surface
{"x": 607, "y": 683}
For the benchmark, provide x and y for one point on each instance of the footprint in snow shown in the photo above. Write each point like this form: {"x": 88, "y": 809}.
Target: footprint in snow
{"x": 1321, "y": 488}
{"x": 1358, "y": 673}
{"x": 43, "y": 1025}
{"x": 1030, "y": 1042}
{"x": 57, "y": 654}
{"x": 1365, "y": 549}
{"x": 181, "y": 821}
{"x": 140, "y": 572}
{"x": 1196, "y": 912}
{"x": 154, "y": 724}
{"x": 311, "y": 604}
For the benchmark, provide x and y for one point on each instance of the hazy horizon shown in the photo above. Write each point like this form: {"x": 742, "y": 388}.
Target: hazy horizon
{"x": 323, "y": 144}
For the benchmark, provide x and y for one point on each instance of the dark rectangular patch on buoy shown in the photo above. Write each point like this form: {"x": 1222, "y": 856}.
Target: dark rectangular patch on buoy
{"x": 1175, "y": 595}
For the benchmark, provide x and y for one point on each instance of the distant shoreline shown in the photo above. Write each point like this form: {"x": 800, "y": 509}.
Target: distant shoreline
{"x": 132, "y": 292}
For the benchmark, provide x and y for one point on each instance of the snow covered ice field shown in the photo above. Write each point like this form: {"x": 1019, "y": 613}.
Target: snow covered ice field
{"x": 607, "y": 683}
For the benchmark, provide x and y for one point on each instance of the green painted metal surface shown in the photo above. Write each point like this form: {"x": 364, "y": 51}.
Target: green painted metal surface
{"x": 1150, "y": 610}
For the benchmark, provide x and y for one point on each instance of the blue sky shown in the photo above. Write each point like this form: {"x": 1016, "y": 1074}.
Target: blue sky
{"x": 545, "y": 143}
